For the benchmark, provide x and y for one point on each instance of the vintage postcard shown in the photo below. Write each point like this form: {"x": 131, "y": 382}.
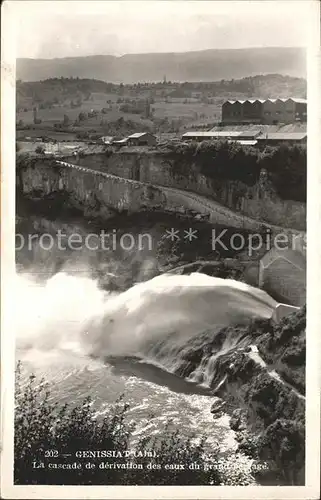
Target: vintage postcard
{"x": 160, "y": 173}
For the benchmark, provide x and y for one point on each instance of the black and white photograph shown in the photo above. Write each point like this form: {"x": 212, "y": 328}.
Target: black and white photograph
{"x": 160, "y": 179}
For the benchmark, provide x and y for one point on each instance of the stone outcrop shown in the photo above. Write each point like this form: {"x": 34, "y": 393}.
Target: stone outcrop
{"x": 259, "y": 381}
{"x": 101, "y": 192}
{"x": 98, "y": 191}
{"x": 258, "y": 201}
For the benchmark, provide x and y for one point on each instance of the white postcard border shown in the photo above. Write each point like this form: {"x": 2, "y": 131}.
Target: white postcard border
{"x": 8, "y": 490}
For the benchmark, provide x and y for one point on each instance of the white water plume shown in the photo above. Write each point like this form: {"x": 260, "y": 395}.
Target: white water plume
{"x": 72, "y": 313}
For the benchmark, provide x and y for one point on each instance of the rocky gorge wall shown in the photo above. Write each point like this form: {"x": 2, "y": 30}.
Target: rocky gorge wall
{"x": 97, "y": 193}
{"x": 258, "y": 373}
{"x": 259, "y": 201}
{"x": 100, "y": 194}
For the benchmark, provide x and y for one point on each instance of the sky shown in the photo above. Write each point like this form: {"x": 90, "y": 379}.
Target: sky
{"x": 69, "y": 28}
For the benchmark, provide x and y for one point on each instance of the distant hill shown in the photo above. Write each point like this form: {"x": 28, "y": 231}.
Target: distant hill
{"x": 205, "y": 65}
{"x": 54, "y": 91}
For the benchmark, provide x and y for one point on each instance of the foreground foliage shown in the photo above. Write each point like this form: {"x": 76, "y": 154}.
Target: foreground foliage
{"x": 44, "y": 429}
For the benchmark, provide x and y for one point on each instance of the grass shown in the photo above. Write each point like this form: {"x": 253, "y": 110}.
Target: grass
{"x": 189, "y": 111}
{"x": 179, "y": 109}
{"x": 55, "y": 115}
{"x": 45, "y": 131}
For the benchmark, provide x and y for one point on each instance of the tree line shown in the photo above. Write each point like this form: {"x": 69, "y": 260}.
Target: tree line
{"x": 286, "y": 164}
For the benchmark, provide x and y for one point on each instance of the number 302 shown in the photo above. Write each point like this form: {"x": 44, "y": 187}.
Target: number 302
{"x": 51, "y": 453}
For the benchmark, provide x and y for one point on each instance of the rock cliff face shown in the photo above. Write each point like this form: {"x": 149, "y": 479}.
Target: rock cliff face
{"x": 97, "y": 193}
{"x": 260, "y": 381}
{"x": 100, "y": 195}
{"x": 258, "y": 201}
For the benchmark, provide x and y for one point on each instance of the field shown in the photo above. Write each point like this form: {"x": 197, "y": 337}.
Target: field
{"x": 81, "y": 109}
{"x": 182, "y": 113}
{"x": 190, "y": 111}
{"x": 38, "y": 131}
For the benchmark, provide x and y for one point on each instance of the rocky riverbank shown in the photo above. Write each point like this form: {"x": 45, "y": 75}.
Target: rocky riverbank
{"x": 259, "y": 380}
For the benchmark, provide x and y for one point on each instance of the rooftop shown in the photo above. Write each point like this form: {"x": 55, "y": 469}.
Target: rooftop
{"x": 122, "y": 141}
{"x": 248, "y": 127}
{"x": 247, "y": 143}
{"x": 284, "y": 136}
{"x": 212, "y": 133}
{"x": 137, "y": 135}
{"x": 250, "y": 133}
{"x": 253, "y": 100}
{"x": 293, "y": 257}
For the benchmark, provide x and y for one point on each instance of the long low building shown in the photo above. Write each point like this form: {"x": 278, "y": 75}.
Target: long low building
{"x": 247, "y": 138}
{"x": 281, "y": 137}
{"x": 211, "y": 134}
{"x": 264, "y": 111}
{"x": 244, "y": 137}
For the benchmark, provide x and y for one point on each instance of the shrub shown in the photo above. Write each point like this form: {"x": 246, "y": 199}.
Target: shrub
{"x": 286, "y": 167}
{"x": 24, "y": 161}
{"x": 285, "y": 164}
{"x": 82, "y": 116}
{"x": 284, "y": 443}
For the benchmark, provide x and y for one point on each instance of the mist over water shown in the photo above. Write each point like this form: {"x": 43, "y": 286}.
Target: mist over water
{"x": 72, "y": 313}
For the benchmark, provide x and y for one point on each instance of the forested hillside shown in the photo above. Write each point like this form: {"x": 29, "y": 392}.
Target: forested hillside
{"x": 204, "y": 65}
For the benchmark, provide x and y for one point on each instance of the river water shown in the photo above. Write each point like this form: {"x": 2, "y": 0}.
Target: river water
{"x": 86, "y": 341}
